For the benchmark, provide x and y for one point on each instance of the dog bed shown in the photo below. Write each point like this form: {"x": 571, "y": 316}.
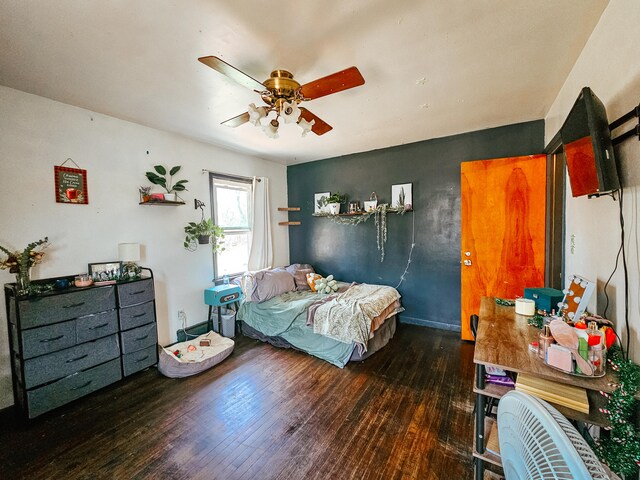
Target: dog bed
{"x": 193, "y": 358}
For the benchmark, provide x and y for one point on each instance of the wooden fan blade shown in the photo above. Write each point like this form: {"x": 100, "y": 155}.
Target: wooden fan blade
{"x": 237, "y": 121}
{"x": 233, "y": 73}
{"x": 320, "y": 127}
{"x": 334, "y": 83}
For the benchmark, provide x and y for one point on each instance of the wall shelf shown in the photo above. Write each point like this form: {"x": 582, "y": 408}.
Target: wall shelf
{"x": 161, "y": 202}
{"x": 289, "y": 209}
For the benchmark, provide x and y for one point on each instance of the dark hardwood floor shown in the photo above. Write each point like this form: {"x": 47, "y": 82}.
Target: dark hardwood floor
{"x": 266, "y": 413}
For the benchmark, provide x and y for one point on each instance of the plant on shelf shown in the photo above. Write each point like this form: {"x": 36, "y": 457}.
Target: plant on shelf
{"x": 20, "y": 263}
{"x": 334, "y": 201}
{"x": 159, "y": 178}
{"x": 202, "y": 233}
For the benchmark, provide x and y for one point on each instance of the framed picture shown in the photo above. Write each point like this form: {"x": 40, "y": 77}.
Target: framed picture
{"x": 402, "y": 196}
{"x": 71, "y": 185}
{"x": 318, "y": 202}
{"x": 105, "y": 273}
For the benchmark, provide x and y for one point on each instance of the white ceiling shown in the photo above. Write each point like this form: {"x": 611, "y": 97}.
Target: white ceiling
{"x": 432, "y": 67}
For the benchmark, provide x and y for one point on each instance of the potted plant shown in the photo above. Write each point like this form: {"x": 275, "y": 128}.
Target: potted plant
{"x": 159, "y": 178}
{"x": 202, "y": 233}
{"x": 334, "y": 201}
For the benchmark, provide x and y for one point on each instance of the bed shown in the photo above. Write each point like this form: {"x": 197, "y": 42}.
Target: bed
{"x": 348, "y": 325}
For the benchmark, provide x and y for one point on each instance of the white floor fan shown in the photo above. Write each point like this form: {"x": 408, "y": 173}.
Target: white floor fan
{"x": 538, "y": 442}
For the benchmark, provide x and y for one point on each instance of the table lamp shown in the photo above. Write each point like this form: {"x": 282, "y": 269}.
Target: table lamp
{"x": 129, "y": 253}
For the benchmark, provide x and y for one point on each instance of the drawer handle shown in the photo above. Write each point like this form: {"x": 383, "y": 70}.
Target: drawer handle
{"x": 142, "y": 359}
{"x": 46, "y": 340}
{"x": 80, "y": 387}
{"x": 138, "y": 292}
{"x": 142, "y": 338}
{"x": 71, "y": 360}
{"x": 75, "y": 305}
{"x": 99, "y": 326}
{"x": 139, "y": 315}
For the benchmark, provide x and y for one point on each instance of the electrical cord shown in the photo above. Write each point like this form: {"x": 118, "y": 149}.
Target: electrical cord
{"x": 621, "y": 251}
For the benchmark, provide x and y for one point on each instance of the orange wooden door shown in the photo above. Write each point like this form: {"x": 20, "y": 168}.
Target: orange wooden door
{"x": 503, "y": 230}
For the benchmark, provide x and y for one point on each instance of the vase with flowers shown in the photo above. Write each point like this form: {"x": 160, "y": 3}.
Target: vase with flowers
{"x": 20, "y": 263}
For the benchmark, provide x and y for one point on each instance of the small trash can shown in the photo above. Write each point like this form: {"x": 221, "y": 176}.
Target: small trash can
{"x": 228, "y": 317}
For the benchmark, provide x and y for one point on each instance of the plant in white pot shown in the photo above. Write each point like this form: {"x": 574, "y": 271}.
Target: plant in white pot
{"x": 334, "y": 201}
{"x": 159, "y": 178}
{"x": 202, "y": 233}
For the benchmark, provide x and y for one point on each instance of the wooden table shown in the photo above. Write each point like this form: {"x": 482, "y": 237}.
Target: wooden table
{"x": 502, "y": 341}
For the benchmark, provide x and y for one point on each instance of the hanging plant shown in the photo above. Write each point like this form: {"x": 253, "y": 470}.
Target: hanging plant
{"x": 380, "y": 217}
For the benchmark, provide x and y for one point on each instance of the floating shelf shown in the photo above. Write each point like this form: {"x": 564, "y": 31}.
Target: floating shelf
{"x": 289, "y": 209}
{"x": 161, "y": 202}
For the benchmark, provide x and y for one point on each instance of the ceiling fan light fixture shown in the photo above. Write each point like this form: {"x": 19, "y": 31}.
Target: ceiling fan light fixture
{"x": 271, "y": 129}
{"x": 256, "y": 113}
{"x": 306, "y": 126}
{"x": 290, "y": 112}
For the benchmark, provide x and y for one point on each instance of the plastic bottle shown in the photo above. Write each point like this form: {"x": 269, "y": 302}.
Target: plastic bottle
{"x": 225, "y": 280}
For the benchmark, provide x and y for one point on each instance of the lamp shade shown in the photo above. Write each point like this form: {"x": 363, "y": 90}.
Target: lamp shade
{"x": 129, "y": 252}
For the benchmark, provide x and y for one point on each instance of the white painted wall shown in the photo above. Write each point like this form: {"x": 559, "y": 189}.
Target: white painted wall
{"x": 609, "y": 65}
{"x": 38, "y": 133}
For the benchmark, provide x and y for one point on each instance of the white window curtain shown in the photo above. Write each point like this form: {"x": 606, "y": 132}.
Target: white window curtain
{"x": 261, "y": 255}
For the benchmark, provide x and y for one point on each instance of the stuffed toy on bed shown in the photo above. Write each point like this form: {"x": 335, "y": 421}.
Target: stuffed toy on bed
{"x": 326, "y": 285}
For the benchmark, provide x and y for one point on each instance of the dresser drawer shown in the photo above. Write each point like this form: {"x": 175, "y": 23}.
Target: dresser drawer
{"x": 136, "y": 361}
{"x": 56, "y": 365}
{"x": 139, "y": 338}
{"x": 39, "y": 341}
{"x": 55, "y": 308}
{"x": 74, "y": 386}
{"x": 96, "y": 325}
{"x": 131, "y": 317}
{"x": 135, "y": 292}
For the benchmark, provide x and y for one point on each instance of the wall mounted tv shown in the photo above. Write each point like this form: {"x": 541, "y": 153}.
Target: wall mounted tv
{"x": 588, "y": 150}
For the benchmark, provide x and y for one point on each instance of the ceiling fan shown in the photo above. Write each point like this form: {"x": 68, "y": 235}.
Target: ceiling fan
{"x": 282, "y": 94}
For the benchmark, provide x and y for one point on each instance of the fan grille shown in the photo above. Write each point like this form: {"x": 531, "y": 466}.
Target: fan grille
{"x": 538, "y": 442}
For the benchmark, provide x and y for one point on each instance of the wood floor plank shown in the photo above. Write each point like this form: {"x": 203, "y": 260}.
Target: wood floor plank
{"x": 266, "y": 413}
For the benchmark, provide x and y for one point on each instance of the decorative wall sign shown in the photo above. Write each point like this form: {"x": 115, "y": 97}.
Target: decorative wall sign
{"x": 71, "y": 184}
{"x": 402, "y": 197}
{"x": 319, "y": 205}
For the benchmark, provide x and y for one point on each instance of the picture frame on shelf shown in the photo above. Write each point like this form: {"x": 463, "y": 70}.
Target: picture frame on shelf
{"x": 105, "y": 273}
{"x": 319, "y": 205}
{"x": 402, "y": 197}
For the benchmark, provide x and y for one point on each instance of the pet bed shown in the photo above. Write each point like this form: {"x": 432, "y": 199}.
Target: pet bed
{"x": 193, "y": 358}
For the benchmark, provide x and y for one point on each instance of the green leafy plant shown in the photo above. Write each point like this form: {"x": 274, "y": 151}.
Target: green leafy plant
{"x": 159, "y": 178}
{"x": 197, "y": 232}
{"x": 335, "y": 198}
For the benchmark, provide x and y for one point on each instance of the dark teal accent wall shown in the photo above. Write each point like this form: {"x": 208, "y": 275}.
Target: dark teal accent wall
{"x": 431, "y": 289}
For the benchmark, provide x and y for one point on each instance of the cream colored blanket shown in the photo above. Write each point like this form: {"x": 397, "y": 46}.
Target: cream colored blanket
{"x": 347, "y": 317}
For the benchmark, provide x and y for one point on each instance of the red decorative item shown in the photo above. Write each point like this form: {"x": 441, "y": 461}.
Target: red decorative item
{"x": 71, "y": 184}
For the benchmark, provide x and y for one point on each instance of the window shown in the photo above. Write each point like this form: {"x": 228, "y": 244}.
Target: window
{"x": 231, "y": 210}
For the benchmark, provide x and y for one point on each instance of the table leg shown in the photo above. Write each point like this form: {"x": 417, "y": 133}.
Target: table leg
{"x": 209, "y": 320}
{"x": 219, "y": 320}
{"x": 481, "y": 402}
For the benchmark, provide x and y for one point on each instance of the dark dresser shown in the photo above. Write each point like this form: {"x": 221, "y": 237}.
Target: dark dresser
{"x": 66, "y": 344}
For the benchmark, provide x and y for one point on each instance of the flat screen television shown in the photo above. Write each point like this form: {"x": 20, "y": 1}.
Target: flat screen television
{"x": 588, "y": 150}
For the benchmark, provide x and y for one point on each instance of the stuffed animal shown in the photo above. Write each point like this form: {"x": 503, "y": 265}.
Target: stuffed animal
{"x": 326, "y": 285}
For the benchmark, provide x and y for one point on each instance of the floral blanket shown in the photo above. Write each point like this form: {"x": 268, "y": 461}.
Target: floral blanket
{"x": 347, "y": 316}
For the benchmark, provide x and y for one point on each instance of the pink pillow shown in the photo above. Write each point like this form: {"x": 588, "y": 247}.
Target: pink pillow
{"x": 271, "y": 283}
{"x": 300, "y": 278}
